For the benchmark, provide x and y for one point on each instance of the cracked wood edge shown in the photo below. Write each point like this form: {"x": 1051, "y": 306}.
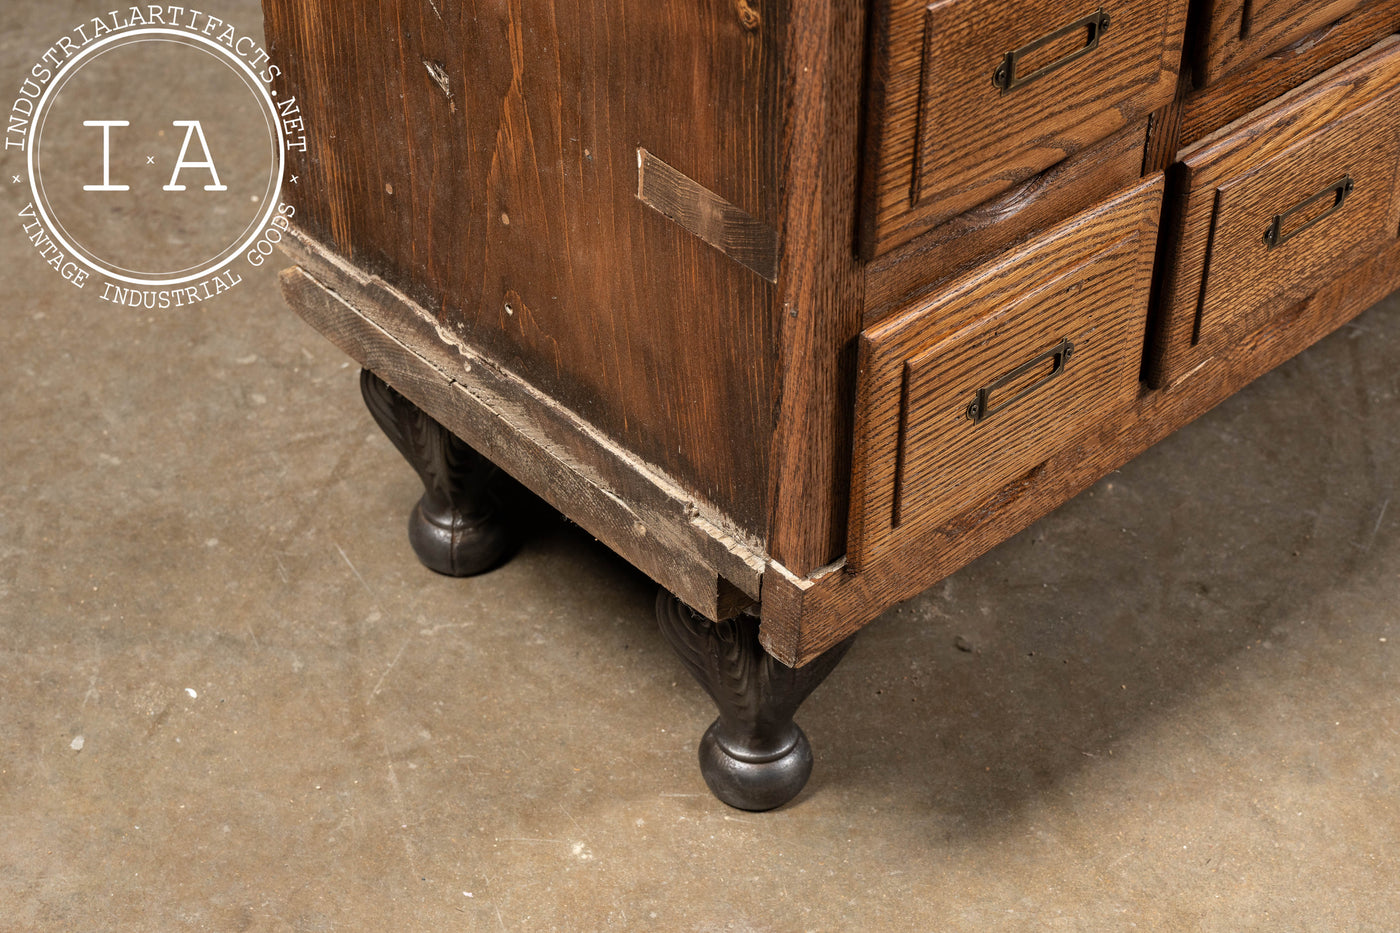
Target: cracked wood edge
{"x": 682, "y": 543}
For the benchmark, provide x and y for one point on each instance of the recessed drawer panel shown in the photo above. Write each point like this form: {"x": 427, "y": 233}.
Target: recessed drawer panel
{"x": 959, "y": 397}
{"x": 1242, "y": 31}
{"x": 1277, "y": 204}
{"x": 969, "y": 99}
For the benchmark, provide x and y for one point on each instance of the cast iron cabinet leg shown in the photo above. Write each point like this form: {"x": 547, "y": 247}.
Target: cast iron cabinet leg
{"x": 455, "y": 528}
{"x": 753, "y": 756}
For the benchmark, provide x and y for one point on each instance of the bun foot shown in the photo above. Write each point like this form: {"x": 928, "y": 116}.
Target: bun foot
{"x": 455, "y": 544}
{"x": 753, "y": 757}
{"x": 747, "y": 779}
{"x": 456, "y": 527}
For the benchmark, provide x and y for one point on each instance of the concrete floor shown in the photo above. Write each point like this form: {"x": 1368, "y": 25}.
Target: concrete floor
{"x": 230, "y": 698}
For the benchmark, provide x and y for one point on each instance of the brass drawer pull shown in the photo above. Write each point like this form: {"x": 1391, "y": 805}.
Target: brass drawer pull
{"x": 980, "y": 408}
{"x": 1007, "y": 76}
{"x": 1338, "y": 191}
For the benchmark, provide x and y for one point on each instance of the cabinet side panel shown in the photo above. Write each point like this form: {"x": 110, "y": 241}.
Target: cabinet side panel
{"x": 483, "y": 157}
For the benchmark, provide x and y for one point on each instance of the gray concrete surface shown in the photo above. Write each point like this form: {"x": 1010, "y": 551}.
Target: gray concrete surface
{"x": 230, "y": 699}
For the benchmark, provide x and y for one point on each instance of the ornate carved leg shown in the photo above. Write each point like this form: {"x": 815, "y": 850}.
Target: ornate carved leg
{"x": 753, "y": 756}
{"x": 454, "y": 528}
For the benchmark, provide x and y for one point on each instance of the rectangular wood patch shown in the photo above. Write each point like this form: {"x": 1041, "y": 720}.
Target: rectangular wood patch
{"x": 727, "y": 228}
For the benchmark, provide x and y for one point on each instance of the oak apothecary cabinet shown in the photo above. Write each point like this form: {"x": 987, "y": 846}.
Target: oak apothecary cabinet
{"x": 801, "y": 306}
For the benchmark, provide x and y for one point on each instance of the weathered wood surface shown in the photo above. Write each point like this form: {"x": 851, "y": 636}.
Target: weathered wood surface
{"x": 482, "y": 157}
{"x": 630, "y": 506}
{"x": 1164, "y": 129}
{"x": 1240, "y": 31}
{"x": 921, "y": 457}
{"x": 1218, "y": 275}
{"x": 727, "y": 228}
{"x": 943, "y": 138}
{"x": 475, "y": 184}
{"x": 802, "y": 617}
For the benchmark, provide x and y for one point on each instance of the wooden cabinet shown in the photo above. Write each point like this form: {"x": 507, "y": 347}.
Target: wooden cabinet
{"x": 801, "y": 306}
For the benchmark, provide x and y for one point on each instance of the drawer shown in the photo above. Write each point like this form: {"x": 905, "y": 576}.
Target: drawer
{"x": 964, "y": 394}
{"x": 1242, "y": 31}
{"x": 1262, "y": 80}
{"x": 969, "y": 99}
{"x": 1277, "y": 204}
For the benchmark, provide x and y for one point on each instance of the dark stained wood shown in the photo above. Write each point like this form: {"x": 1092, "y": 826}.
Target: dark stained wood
{"x": 482, "y": 157}
{"x": 639, "y": 513}
{"x": 904, "y": 275}
{"x": 821, "y": 285}
{"x": 1247, "y": 88}
{"x": 804, "y": 617}
{"x": 1240, "y": 31}
{"x": 944, "y": 138}
{"x": 1219, "y": 276}
{"x": 1066, "y": 313}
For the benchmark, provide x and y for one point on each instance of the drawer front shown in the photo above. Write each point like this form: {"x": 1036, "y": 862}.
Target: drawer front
{"x": 970, "y": 99}
{"x": 961, "y": 396}
{"x": 1242, "y": 31}
{"x": 1278, "y": 204}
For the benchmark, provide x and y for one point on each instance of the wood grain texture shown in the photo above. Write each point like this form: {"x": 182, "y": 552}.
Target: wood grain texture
{"x": 904, "y": 275}
{"x": 942, "y": 138}
{"x": 1240, "y": 31}
{"x": 747, "y": 241}
{"x": 476, "y": 238}
{"x": 804, "y": 616}
{"x": 1164, "y": 129}
{"x": 1218, "y": 276}
{"x": 631, "y": 506}
{"x": 481, "y": 156}
{"x": 919, "y": 457}
{"x": 1253, "y": 85}
{"x": 821, "y": 284}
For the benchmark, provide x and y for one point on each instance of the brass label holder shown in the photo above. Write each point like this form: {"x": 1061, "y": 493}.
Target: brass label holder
{"x": 1339, "y": 191}
{"x": 980, "y": 408}
{"x": 1007, "y": 75}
